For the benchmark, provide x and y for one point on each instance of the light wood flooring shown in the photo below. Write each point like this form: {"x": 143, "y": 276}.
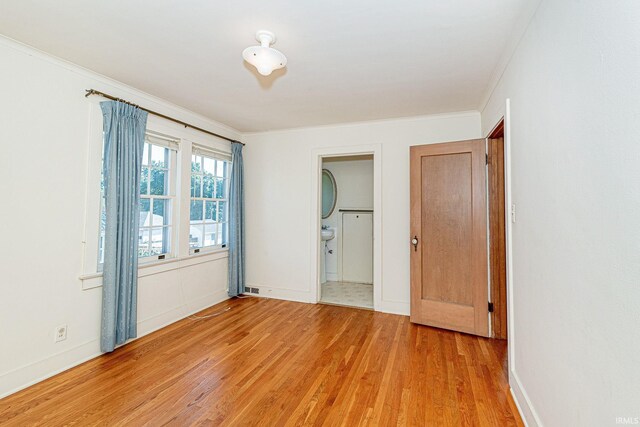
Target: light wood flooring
{"x": 275, "y": 363}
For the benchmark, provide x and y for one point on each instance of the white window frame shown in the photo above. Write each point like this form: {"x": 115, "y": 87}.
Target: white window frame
{"x": 90, "y": 275}
{"x": 173, "y": 145}
{"x": 198, "y": 150}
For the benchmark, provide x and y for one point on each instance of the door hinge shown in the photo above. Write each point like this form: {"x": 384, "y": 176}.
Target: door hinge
{"x": 486, "y": 158}
{"x": 490, "y": 307}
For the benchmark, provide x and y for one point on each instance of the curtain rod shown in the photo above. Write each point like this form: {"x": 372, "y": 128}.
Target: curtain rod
{"x": 187, "y": 125}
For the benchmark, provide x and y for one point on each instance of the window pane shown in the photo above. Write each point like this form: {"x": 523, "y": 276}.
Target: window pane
{"x": 195, "y": 236}
{"x": 196, "y": 167}
{"x": 221, "y": 169}
{"x": 166, "y": 239}
{"x": 221, "y": 228}
{"x": 209, "y": 234}
{"x": 159, "y": 240}
{"x": 158, "y": 182}
{"x": 222, "y": 212}
{"x": 161, "y": 212}
{"x": 144, "y": 181}
{"x": 196, "y": 210}
{"x": 159, "y": 156}
{"x": 209, "y": 165}
{"x": 208, "y": 186}
{"x": 210, "y": 211}
{"x": 219, "y": 189}
{"x": 196, "y": 186}
{"x": 143, "y": 242}
{"x": 145, "y": 154}
{"x": 144, "y": 213}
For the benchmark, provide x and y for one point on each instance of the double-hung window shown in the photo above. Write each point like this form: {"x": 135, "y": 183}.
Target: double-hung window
{"x": 157, "y": 198}
{"x": 209, "y": 200}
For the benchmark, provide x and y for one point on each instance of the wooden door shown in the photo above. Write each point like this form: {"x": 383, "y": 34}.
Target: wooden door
{"x": 357, "y": 247}
{"x": 449, "y": 280}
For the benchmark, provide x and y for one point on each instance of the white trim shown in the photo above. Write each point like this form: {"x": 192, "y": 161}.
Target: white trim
{"x": 94, "y": 280}
{"x": 509, "y": 235}
{"x": 282, "y": 294}
{"x": 369, "y": 122}
{"x": 317, "y": 155}
{"x": 394, "y": 307}
{"x": 521, "y": 398}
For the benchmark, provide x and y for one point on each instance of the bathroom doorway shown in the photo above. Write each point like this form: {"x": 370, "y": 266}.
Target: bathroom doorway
{"x": 346, "y": 268}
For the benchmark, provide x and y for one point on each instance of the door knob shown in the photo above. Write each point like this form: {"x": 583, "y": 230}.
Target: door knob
{"x": 414, "y": 242}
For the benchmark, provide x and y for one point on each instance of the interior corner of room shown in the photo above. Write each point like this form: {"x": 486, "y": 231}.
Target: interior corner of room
{"x": 429, "y": 215}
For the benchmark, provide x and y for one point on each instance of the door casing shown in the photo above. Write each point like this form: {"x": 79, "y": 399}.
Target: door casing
{"x": 316, "y": 218}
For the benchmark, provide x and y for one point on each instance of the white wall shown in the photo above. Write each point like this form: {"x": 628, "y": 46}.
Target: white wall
{"x": 354, "y": 180}
{"x": 575, "y": 102}
{"x": 46, "y": 136}
{"x": 278, "y": 199}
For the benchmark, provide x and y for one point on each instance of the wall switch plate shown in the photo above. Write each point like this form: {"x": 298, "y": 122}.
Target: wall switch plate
{"x": 61, "y": 333}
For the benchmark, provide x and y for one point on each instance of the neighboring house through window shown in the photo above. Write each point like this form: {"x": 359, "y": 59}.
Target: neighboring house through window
{"x": 157, "y": 196}
{"x": 208, "y": 207}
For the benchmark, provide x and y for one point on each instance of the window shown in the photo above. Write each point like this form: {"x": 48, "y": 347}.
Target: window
{"x": 208, "y": 207}
{"x": 156, "y": 200}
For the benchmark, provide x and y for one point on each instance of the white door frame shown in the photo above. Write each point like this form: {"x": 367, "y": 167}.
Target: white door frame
{"x": 508, "y": 232}
{"x": 316, "y": 217}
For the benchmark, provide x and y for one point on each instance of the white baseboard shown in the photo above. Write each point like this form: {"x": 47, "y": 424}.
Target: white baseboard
{"x": 520, "y": 397}
{"x": 332, "y": 277}
{"x": 394, "y": 307}
{"x": 283, "y": 294}
{"x": 27, "y": 375}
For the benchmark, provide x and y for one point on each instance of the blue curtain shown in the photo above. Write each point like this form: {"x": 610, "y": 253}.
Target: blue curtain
{"x": 236, "y": 222}
{"x": 124, "y": 129}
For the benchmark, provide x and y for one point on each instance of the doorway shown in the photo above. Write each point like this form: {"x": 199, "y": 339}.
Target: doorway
{"x": 346, "y": 230}
{"x": 497, "y": 232}
{"x": 458, "y": 241}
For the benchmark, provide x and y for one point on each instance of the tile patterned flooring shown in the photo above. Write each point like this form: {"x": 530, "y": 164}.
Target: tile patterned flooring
{"x": 349, "y": 294}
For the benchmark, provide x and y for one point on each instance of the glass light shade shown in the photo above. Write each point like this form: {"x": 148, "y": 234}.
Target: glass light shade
{"x": 265, "y": 59}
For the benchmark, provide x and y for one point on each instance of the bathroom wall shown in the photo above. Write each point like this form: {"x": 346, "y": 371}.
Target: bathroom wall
{"x": 354, "y": 180}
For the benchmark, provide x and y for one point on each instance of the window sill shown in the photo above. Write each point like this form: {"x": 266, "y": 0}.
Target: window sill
{"x": 94, "y": 280}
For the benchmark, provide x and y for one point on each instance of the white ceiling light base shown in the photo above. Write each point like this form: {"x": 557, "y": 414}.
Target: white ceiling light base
{"x": 266, "y": 38}
{"x": 264, "y": 57}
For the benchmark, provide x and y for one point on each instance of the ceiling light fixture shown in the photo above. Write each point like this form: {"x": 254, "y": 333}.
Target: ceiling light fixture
{"x": 264, "y": 57}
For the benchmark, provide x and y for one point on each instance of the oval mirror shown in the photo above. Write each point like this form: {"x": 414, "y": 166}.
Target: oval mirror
{"x": 329, "y": 193}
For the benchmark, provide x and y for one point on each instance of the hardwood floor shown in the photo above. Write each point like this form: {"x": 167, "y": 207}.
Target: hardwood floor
{"x": 274, "y": 363}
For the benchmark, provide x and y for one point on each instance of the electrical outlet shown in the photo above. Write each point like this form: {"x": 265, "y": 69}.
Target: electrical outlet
{"x": 61, "y": 333}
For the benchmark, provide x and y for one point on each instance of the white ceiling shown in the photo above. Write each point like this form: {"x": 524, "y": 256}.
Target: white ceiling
{"x": 347, "y": 60}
